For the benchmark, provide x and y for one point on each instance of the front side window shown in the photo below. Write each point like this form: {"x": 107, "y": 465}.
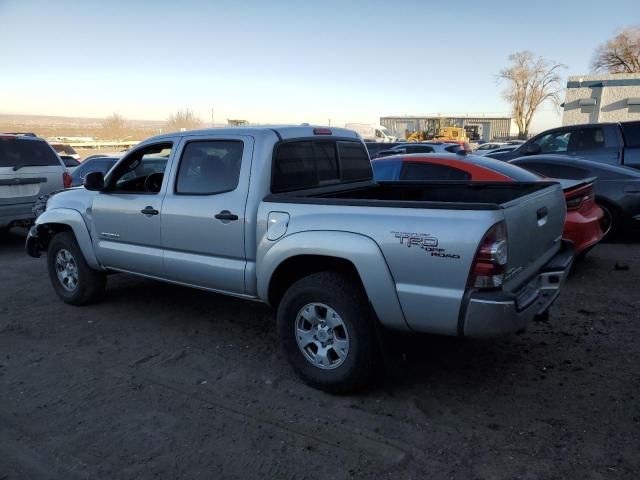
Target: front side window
{"x": 555, "y": 142}
{"x": 142, "y": 171}
{"x": 209, "y": 167}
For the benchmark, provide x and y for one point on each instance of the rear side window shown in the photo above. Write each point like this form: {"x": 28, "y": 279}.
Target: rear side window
{"x": 309, "y": 163}
{"x": 453, "y": 148}
{"x": 422, "y": 171}
{"x": 386, "y": 170}
{"x": 209, "y": 167}
{"x": 420, "y": 149}
{"x": 631, "y": 132}
{"x": 553, "y": 170}
{"x": 354, "y": 162}
{"x": 586, "y": 139}
{"x": 16, "y": 152}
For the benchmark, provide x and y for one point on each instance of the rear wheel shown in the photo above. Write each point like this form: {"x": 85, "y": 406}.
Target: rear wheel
{"x": 327, "y": 331}
{"x": 72, "y": 279}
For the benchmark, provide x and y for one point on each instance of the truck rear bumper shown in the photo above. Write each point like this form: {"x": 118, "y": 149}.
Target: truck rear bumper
{"x": 491, "y": 314}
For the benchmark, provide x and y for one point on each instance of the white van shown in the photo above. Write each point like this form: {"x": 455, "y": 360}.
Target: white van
{"x": 372, "y": 133}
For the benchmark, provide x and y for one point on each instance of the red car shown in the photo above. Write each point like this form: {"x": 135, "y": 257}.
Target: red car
{"x": 583, "y": 222}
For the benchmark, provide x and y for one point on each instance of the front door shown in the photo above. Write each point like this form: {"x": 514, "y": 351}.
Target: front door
{"x": 203, "y": 215}
{"x": 126, "y": 215}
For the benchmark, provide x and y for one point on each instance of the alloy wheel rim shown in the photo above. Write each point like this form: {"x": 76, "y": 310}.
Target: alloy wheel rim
{"x": 66, "y": 270}
{"x": 322, "y": 336}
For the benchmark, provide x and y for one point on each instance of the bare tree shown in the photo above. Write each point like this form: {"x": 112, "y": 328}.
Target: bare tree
{"x": 183, "y": 119}
{"x": 114, "y": 127}
{"x": 620, "y": 54}
{"x": 531, "y": 82}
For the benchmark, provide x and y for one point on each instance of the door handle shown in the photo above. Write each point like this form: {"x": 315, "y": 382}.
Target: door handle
{"x": 149, "y": 211}
{"x": 226, "y": 215}
{"x": 542, "y": 213}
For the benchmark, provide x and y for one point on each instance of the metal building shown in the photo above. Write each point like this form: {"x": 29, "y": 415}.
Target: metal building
{"x": 478, "y": 128}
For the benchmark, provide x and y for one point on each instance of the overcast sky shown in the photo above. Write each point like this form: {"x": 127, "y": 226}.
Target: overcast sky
{"x": 285, "y": 61}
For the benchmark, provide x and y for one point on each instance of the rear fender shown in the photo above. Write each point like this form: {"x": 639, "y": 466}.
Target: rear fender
{"x": 73, "y": 219}
{"x": 360, "y": 250}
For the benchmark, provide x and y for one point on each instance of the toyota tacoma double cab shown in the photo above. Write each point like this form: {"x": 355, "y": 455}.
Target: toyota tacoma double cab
{"x": 292, "y": 217}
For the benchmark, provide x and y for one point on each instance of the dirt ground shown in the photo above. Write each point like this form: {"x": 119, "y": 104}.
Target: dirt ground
{"x": 160, "y": 381}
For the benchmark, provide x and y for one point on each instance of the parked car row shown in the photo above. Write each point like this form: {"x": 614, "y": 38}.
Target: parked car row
{"x": 419, "y": 238}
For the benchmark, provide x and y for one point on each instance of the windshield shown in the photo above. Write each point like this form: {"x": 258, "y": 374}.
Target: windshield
{"x": 18, "y": 151}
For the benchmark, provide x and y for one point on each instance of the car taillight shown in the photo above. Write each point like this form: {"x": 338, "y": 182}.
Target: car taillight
{"x": 322, "y": 131}
{"x": 577, "y": 198}
{"x": 66, "y": 180}
{"x": 489, "y": 263}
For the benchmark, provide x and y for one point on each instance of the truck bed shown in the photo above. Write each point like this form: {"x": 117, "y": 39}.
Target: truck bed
{"x": 436, "y": 195}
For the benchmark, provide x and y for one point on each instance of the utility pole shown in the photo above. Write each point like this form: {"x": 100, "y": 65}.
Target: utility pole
{"x": 213, "y": 124}
{"x": 329, "y": 122}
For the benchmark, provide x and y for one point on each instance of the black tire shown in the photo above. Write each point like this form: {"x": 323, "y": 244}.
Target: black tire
{"x": 90, "y": 284}
{"x": 344, "y": 295}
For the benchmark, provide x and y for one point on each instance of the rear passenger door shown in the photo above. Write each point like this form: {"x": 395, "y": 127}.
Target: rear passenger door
{"x": 203, "y": 216}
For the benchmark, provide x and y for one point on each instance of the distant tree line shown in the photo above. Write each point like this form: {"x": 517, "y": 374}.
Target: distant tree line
{"x": 114, "y": 127}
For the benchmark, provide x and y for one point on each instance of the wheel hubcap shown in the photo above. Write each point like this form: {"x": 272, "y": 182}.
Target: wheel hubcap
{"x": 322, "y": 336}
{"x": 66, "y": 270}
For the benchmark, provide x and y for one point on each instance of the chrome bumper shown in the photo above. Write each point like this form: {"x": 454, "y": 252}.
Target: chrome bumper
{"x": 492, "y": 314}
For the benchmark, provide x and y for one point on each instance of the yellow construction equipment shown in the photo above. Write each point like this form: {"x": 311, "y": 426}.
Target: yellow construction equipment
{"x": 452, "y": 133}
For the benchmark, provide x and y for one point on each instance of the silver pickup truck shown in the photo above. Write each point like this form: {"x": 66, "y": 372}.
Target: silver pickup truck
{"x": 290, "y": 216}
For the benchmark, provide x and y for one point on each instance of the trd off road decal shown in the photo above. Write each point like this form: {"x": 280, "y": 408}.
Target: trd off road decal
{"x": 426, "y": 242}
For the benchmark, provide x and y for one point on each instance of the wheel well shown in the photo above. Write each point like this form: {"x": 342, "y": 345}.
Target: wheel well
{"x": 295, "y": 268}
{"x": 47, "y": 231}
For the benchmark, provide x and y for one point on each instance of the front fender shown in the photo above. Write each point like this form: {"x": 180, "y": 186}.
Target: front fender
{"x": 74, "y": 220}
{"x": 358, "y": 249}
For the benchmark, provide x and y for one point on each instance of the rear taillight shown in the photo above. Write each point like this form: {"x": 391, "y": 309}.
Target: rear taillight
{"x": 322, "y": 131}
{"x": 577, "y": 198}
{"x": 489, "y": 263}
{"x": 66, "y": 180}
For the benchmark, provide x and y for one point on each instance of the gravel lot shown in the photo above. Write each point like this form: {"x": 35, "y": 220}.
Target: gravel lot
{"x": 160, "y": 381}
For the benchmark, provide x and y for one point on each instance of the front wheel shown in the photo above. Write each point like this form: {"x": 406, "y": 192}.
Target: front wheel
{"x": 72, "y": 279}
{"x": 328, "y": 333}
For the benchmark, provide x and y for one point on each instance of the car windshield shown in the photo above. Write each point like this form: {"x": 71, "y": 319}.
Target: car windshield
{"x": 16, "y": 152}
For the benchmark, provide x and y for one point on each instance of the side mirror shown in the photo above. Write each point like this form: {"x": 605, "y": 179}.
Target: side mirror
{"x": 531, "y": 149}
{"x": 94, "y": 181}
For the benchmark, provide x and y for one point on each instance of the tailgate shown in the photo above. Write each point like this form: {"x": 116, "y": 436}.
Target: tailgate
{"x": 28, "y": 183}
{"x": 534, "y": 228}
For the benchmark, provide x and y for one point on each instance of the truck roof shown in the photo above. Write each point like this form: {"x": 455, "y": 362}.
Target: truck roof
{"x": 285, "y": 132}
